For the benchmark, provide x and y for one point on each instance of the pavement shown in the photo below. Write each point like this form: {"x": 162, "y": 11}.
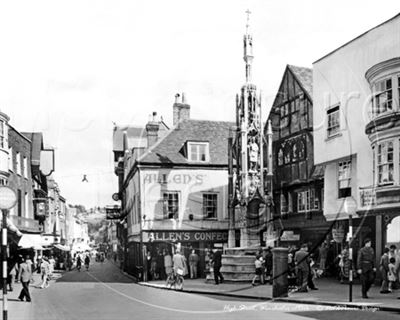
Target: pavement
{"x": 330, "y": 292}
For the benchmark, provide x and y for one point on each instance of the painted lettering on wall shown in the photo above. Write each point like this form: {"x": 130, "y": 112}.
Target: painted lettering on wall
{"x": 177, "y": 178}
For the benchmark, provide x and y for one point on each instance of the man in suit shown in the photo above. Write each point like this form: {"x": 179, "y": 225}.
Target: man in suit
{"x": 303, "y": 267}
{"x": 217, "y": 263}
{"x": 366, "y": 267}
{"x": 25, "y": 276}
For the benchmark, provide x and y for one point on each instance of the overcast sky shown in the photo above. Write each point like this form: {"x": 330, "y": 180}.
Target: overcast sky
{"x": 70, "y": 68}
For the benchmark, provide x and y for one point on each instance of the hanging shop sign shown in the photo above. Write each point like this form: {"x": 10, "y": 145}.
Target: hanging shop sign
{"x": 289, "y": 235}
{"x": 187, "y": 236}
{"x": 113, "y": 213}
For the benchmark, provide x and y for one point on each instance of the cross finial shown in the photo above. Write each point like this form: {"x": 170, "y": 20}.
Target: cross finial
{"x": 248, "y": 12}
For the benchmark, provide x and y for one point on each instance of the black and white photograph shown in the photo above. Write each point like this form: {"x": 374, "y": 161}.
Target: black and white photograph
{"x": 182, "y": 159}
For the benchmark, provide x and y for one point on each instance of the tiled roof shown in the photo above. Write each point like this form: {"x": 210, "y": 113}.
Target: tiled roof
{"x": 168, "y": 151}
{"x": 304, "y": 76}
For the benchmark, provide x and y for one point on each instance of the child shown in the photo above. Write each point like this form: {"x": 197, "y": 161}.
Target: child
{"x": 259, "y": 271}
{"x": 391, "y": 273}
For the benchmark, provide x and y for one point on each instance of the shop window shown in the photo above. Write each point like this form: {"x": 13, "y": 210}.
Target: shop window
{"x": 333, "y": 121}
{"x": 385, "y": 162}
{"x": 344, "y": 178}
{"x": 383, "y": 98}
{"x": 198, "y": 151}
{"x": 210, "y": 205}
{"x": 171, "y": 205}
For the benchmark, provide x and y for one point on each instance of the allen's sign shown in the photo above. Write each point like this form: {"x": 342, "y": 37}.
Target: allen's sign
{"x": 186, "y": 236}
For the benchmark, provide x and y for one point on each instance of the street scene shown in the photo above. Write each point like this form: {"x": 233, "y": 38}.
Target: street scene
{"x": 175, "y": 159}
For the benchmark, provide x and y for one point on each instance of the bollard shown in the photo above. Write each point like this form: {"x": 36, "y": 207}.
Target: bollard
{"x": 280, "y": 272}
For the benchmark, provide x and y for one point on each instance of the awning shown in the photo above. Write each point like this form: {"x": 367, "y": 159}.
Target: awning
{"x": 33, "y": 241}
{"x": 61, "y": 247}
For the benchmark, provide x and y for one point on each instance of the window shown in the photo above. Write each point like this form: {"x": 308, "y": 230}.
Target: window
{"x": 2, "y": 134}
{"x": 306, "y": 200}
{"x": 344, "y": 178}
{"x": 171, "y": 205}
{"x": 18, "y": 163}
{"x": 210, "y": 205}
{"x": 10, "y": 159}
{"x": 385, "y": 162}
{"x": 280, "y": 157}
{"x": 25, "y": 167}
{"x": 198, "y": 151}
{"x": 382, "y": 97}
{"x": 285, "y": 113}
{"x": 26, "y": 204}
{"x": 19, "y": 202}
{"x": 3, "y": 181}
{"x": 333, "y": 121}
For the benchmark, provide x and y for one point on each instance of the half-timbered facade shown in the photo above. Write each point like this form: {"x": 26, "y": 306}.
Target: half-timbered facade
{"x": 297, "y": 183}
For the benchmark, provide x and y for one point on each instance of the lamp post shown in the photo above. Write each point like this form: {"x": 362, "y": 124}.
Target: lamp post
{"x": 8, "y": 199}
{"x": 350, "y": 207}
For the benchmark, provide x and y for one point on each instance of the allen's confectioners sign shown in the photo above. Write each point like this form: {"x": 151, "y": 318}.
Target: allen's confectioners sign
{"x": 187, "y": 236}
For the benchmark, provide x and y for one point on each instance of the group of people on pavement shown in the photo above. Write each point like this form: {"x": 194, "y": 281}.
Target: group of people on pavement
{"x": 263, "y": 267}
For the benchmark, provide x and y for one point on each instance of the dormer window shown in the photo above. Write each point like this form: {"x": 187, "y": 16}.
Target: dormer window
{"x": 198, "y": 151}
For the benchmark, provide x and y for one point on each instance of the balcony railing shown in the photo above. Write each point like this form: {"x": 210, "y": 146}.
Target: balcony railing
{"x": 25, "y": 224}
{"x": 367, "y": 197}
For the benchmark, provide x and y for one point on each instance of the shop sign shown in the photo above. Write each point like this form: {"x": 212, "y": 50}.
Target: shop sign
{"x": 189, "y": 236}
{"x": 113, "y": 213}
{"x": 289, "y": 235}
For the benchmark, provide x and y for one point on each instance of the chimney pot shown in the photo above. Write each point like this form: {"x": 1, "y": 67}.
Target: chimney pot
{"x": 177, "y": 98}
{"x": 183, "y": 98}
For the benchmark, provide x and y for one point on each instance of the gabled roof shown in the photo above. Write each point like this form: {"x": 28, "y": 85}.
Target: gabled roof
{"x": 169, "y": 150}
{"x": 304, "y": 76}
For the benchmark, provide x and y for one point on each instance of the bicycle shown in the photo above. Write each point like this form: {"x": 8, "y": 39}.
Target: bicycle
{"x": 175, "y": 279}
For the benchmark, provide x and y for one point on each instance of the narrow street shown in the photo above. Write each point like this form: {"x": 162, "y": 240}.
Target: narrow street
{"x": 105, "y": 293}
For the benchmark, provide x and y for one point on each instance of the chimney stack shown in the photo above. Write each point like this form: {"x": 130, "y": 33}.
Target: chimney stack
{"x": 152, "y": 128}
{"x": 181, "y": 109}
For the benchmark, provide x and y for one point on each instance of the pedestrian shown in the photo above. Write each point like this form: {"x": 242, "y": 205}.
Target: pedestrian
{"x": 179, "y": 266}
{"x": 217, "y": 263}
{"x": 78, "y": 262}
{"x": 11, "y": 277}
{"x": 52, "y": 264}
{"x": 160, "y": 265}
{"x": 311, "y": 274}
{"x": 148, "y": 264}
{"x": 167, "y": 263}
{"x": 366, "y": 267}
{"x": 384, "y": 270}
{"x": 268, "y": 264}
{"x": 258, "y": 271}
{"x": 323, "y": 254}
{"x": 25, "y": 276}
{"x": 392, "y": 273}
{"x": 344, "y": 263}
{"x": 45, "y": 269}
{"x": 87, "y": 262}
{"x": 302, "y": 267}
{"x": 193, "y": 262}
{"x": 393, "y": 254}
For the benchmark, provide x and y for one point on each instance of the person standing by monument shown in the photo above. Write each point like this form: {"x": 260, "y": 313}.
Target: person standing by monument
{"x": 193, "y": 262}
{"x": 217, "y": 263}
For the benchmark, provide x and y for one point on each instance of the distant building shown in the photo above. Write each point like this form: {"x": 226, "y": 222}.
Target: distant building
{"x": 357, "y": 133}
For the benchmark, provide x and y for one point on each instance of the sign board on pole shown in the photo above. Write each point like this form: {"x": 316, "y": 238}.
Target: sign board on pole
{"x": 8, "y": 198}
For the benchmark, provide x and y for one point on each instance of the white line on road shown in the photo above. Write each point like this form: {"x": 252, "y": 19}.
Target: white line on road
{"x": 159, "y": 307}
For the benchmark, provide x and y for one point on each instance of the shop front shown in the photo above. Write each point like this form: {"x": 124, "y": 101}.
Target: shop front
{"x": 202, "y": 241}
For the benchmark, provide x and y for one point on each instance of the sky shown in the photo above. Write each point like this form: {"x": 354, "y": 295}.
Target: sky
{"x": 71, "y": 68}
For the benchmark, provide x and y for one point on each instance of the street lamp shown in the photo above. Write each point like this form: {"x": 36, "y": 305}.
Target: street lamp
{"x": 350, "y": 207}
{"x": 8, "y": 199}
